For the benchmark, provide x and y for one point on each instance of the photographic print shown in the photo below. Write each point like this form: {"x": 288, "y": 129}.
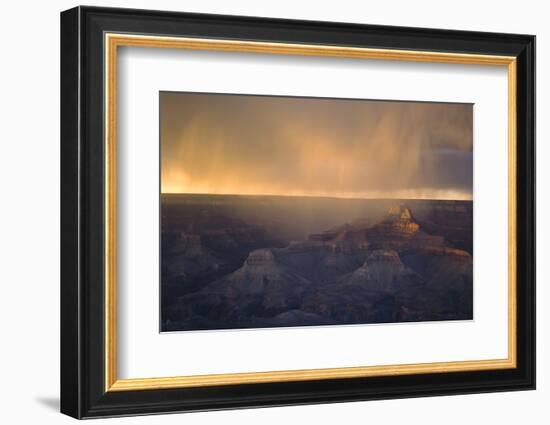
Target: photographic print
{"x": 281, "y": 211}
{"x": 255, "y": 183}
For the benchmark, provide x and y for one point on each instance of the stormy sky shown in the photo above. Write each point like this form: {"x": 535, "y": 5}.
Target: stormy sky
{"x": 241, "y": 144}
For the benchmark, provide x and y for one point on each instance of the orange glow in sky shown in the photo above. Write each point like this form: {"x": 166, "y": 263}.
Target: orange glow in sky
{"x": 266, "y": 145}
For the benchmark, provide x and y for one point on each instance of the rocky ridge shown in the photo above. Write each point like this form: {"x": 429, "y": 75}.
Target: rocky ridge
{"x": 392, "y": 271}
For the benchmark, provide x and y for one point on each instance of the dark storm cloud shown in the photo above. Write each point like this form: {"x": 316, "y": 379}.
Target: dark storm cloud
{"x": 308, "y": 146}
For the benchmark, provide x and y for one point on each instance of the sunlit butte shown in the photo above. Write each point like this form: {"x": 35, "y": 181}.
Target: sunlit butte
{"x": 290, "y": 146}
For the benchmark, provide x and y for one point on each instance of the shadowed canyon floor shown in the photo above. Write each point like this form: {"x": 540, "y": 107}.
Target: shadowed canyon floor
{"x": 230, "y": 262}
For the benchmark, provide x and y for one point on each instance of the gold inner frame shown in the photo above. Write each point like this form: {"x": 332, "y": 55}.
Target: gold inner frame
{"x": 113, "y": 41}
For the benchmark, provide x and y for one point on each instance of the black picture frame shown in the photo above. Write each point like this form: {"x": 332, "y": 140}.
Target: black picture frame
{"x": 83, "y": 392}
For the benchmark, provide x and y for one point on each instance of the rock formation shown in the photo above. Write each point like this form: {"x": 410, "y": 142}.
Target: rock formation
{"x": 382, "y": 271}
{"x": 394, "y": 270}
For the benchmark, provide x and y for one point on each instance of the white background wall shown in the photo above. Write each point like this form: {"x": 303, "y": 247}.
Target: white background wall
{"x": 29, "y": 212}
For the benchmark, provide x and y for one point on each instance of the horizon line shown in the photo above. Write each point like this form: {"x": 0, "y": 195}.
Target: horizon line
{"x": 316, "y": 196}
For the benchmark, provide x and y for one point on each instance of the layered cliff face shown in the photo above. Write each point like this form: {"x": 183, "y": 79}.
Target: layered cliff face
{"x": 398, "y": 224}
{"x": 261, "y": 275}
{"x": 400, "y": 220}
{"x": 368, "y": 292}
{"x": 319, "y": 262}
{"x": 200, "y": 245}
{"x": 399, "y": 230}
{"x": 453, "y": 221}
{"x": 382, "y": 271}
{"x": 392, "y": 271}
{"x": 261, "y": 287}
{"x": 448, "y": 273}
{"x": 190, "y": 257}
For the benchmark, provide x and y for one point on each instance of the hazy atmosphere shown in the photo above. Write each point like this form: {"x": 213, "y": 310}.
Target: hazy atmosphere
{"x": 280, "y": 211}
{"x": 240, "y": 144}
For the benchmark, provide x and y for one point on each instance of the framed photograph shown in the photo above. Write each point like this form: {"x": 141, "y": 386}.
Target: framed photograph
{"x": 260, "y": 212}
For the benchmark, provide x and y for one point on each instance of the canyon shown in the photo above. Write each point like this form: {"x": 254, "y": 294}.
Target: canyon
{"x": 233, "y": 262}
